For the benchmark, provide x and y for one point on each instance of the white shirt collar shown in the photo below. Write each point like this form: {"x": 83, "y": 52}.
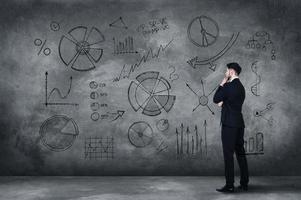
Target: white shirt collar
{"x": 233, "y": 77}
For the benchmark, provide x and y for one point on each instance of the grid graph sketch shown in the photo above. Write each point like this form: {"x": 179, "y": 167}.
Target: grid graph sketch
{"x": 99, "y": 148}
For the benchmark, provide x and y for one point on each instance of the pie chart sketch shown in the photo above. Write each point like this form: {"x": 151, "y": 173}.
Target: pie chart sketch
{"x": 58, "y": 133}
{"x": 162, "y": 124}
{"x": 151, "y": 94}
{"x": 140, "y": 134}
{"x": 203, "y": 31}
{"x": 81, "y": 48}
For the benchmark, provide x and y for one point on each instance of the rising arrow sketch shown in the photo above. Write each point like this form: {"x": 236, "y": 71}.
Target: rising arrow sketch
{"x": 205, "y": 127}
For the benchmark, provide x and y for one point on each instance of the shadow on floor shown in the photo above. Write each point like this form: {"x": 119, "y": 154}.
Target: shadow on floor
{"x": 272, "y": 188}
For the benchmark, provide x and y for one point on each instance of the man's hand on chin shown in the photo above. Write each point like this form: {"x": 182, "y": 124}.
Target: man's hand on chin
{"x": 220, "y": 104}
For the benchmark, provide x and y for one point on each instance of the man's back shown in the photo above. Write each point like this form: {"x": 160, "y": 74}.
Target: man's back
{"x": 233, "y": 96}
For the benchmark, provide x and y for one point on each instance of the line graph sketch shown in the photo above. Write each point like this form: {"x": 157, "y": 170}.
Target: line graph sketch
{"x": 127, "y": 71}
{"x": 81, "y": 48}
{"x": 99, "y": 148}
{"x": 58, "y": 93}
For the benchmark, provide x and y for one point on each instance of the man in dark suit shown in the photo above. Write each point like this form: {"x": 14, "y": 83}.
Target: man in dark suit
{"x": 230, "y": 95}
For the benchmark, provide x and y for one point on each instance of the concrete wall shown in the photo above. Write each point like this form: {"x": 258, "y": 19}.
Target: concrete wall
{"x": 52, "y": 124}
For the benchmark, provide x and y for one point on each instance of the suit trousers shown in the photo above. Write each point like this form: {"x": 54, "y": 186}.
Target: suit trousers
{"x": 233, "y": 141}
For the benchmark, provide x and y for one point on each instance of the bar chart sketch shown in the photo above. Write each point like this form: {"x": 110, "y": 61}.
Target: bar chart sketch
{"x": 124, "y": 47}
{"x": 254, "y": 145}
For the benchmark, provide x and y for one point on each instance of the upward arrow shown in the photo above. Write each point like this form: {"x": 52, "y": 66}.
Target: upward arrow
{"x": 46, "y": 80}
{"x": 187, "y": 140}
{"x": 177, "y": 133}
{"x": 182, "y": 129}
{"x": 196, "y": 137}
{"x": 205, "y": 125}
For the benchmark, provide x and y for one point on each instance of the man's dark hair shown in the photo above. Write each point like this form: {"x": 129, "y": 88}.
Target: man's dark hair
{"x": 234, "y": 66}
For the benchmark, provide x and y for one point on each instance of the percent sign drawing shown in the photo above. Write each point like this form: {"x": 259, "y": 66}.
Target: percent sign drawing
{"x": 203, "y": 99}
{"x": 39, "y": 43}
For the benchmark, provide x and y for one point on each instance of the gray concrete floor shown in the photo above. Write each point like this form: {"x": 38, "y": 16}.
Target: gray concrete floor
{"x": 144, "y": 188}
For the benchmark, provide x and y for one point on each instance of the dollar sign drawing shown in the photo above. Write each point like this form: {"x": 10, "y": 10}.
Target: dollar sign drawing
{"x": 172, "y": 74}
{"x": 254, "y": 88}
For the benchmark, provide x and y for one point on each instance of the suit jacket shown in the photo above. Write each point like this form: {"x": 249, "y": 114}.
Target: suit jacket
{"x": 233, "y": 95}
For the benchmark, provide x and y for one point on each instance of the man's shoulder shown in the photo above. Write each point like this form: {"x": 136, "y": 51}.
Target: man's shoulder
{"x": 236, "y": 81}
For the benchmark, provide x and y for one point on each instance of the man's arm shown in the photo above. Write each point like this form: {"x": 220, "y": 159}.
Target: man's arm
{"x": 220, "y": 93}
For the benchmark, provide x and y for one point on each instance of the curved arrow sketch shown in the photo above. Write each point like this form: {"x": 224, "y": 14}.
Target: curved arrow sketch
{"x": 195, "y": 61}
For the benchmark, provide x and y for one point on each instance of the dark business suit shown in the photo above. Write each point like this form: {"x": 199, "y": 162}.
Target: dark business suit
{"x": 233, "y": 95}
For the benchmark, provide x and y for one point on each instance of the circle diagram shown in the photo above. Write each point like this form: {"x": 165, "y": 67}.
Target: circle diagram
{"x": 94, "y": 95}
{"x": 95, "y": 116}
{"x": 203, "y": 31}
{"x": 80, "y": 49}
{"x": 151, "y": 94}
{"x": 54, "y": 26}
{"x": 140, "y": 134}
{"x": 162, "y": 124}
{"x": 203, "y": 100}
{"x": 93, "y": 85}
{"x": 58, "y": 132}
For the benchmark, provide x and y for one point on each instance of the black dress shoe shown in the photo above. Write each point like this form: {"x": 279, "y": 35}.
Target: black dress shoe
{"x": 226, "y": 189}
{"x": 243, "y": 187}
